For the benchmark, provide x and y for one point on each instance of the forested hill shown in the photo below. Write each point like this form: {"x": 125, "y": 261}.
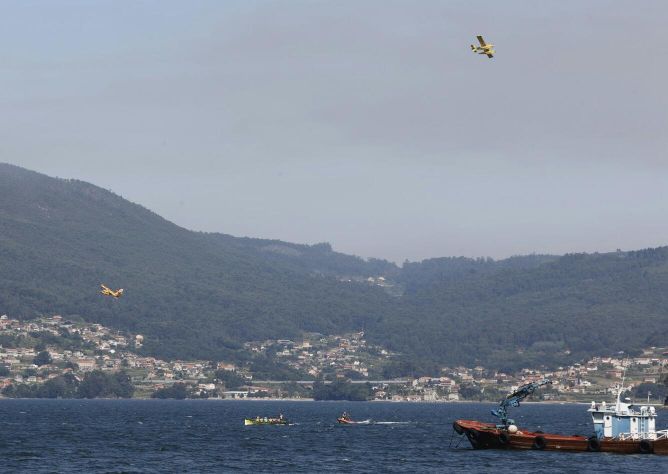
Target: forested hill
{"x": 202, "y": 295}
{"x": 531, "y": 310}
{"x": 192, "y": 294}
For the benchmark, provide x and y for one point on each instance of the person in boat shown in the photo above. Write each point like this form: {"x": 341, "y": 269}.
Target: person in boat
{"x": 345, "y": 416}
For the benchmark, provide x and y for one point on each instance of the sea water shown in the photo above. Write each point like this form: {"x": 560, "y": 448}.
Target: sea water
{"x": 143, "y": 436}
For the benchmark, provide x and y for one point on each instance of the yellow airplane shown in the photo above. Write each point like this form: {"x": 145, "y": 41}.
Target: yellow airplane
{"x": 484, "y": 48}
{"x": 109, "y": 292}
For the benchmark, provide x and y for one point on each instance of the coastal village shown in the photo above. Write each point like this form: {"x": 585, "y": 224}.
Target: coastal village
{"x": 35, "y": 351}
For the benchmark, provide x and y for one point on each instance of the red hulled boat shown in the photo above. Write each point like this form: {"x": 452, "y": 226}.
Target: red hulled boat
{"x": 489, "y": 436}
{"x": 618, "y": 429}
{"x": 345, "y": 419}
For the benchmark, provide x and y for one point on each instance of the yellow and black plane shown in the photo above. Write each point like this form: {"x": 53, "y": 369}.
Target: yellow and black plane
{"x": 484, "y": 48}
{"x": 109, "y": 292}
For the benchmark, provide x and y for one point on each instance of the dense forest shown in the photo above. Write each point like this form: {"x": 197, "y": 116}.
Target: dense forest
{"x": 533, "y": 310}
{"x": 192, "y": 294}
{"x": 201, "y": 295}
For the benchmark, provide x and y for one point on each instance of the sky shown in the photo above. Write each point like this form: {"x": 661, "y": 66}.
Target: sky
{"x": 368, "y": 124}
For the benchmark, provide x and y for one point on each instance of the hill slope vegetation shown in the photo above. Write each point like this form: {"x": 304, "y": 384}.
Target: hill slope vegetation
{"x": 202, "y": 295}
{"x": 528, "y": 311}
{"x": 193, "y": 294}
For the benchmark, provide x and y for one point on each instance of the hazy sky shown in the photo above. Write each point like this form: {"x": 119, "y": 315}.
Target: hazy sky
{"x": 368, "y": 124}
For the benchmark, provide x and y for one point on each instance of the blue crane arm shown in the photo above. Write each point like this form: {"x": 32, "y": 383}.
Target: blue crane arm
{"x": 514, "y": 399}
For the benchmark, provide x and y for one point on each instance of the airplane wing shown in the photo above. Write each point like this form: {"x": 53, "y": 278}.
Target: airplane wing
{"x": 104, "y": 287}
{"x": 490, "y": 55}
{"x": 482, "y": 41}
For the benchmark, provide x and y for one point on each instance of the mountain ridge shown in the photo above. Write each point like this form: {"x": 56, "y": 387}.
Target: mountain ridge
{"x": 196, "y": 294}
{"x": 81, "y": 235}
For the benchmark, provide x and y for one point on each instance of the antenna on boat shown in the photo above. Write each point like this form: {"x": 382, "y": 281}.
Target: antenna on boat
{"x": 621, "y": 386}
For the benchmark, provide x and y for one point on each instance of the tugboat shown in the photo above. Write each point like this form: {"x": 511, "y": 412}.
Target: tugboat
{"x": 617, "y": 429}
{"x": 259, "y": 420}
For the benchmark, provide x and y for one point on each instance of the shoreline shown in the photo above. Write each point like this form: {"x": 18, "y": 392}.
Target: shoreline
{"x": 311, "y": 400}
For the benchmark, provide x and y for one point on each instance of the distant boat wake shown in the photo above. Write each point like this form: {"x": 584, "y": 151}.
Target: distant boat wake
{"x": 351, "y": 422}
{"x": 372, "y": 422}
{"x": 392, "y": 422}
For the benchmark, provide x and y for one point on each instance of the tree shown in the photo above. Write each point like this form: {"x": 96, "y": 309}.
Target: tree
{"x": 42, "y": 358}
{"x": 177, "y": 391}
{"x": 470, "y": 392}
{"x": 124, "y": 388}
{"x": 94, "y": 384}
{"x": 98, "y": 384}
{"x": 657, "y": 391}
{"x": 64, "y": 386}
{"x": 20, "y": 390}
{"x": 341, "y": 390}
{"x": 231, "y": 380}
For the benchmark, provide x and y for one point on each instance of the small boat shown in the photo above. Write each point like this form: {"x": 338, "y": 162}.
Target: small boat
{"x": 259, "y": 420}
{"x": 617, "y": 429}
{"x": 345, "y": 419}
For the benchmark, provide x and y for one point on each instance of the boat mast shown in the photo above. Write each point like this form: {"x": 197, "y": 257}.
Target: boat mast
{"x": 618, "y": 405}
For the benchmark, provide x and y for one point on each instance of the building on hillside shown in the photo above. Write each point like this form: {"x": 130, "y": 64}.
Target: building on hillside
{"x": 85, "y": 363}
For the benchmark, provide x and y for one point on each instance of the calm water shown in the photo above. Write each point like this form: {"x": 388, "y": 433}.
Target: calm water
{"x": 209, "y": 436}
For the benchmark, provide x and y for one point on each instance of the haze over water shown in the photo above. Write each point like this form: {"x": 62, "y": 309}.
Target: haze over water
{"x": 151, "y": 436}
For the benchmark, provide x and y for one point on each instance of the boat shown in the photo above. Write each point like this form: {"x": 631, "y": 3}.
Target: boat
{"x": 259, "y": 420}
{"x": 345, "y": 419}
{"x": 618, "y": 428}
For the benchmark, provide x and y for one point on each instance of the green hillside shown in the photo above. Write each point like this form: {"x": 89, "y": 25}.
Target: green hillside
{"x": 192, "y": 294}
{"x": 202, "y": 295}
{"x": 525, "y": 311}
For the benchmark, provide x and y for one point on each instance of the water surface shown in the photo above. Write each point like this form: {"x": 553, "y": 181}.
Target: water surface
{"x": 151, "y": 436}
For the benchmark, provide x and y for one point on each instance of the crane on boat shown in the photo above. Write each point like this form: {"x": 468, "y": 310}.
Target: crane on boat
{"x": 514, "y": 399}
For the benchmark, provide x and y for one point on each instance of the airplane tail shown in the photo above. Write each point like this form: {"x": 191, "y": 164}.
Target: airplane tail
{"x": 473, "y": 48}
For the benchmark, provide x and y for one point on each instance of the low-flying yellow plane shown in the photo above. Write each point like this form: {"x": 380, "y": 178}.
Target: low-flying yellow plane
{"x": 484, "y": 48}
{"x": 109, "y": 292}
